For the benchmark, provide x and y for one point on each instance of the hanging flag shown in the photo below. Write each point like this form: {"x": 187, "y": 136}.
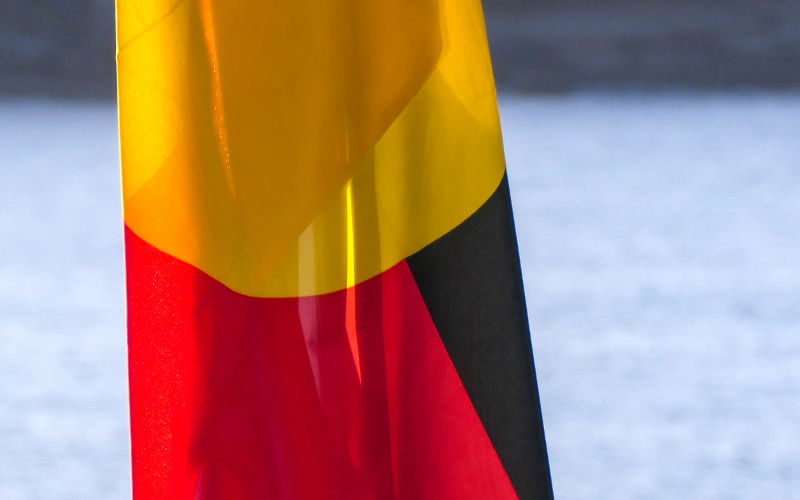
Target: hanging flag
{"x": 324, "y": 291}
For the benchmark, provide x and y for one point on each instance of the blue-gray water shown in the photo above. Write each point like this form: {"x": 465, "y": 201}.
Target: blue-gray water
{"x": 660, "y": 239}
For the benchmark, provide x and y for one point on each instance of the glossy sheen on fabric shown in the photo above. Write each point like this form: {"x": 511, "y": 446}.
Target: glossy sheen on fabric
{"x": 271, "y": 143}
{"x": 234, "y": 397}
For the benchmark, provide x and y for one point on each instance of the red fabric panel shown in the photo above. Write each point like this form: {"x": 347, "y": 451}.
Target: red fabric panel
{"x": 234, "y": 397}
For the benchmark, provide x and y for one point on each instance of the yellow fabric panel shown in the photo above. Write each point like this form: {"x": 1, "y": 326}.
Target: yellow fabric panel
{"x": 262, "y": 206}
{"x": 240, "y": 118}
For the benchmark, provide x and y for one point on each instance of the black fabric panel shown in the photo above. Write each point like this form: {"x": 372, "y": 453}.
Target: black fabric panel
{"x": 471, "y": 282}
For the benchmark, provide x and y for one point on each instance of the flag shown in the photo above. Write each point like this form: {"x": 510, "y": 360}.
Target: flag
{"x": 324, "y": 291}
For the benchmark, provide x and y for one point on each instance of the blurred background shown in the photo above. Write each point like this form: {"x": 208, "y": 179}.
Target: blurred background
{"x": 655, "y": 170}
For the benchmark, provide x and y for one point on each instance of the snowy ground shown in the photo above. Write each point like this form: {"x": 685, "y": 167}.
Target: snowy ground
{"x": 661, "y": 251}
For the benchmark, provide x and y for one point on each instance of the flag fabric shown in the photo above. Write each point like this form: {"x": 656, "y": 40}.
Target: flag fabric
{"x": 324, "y": 290}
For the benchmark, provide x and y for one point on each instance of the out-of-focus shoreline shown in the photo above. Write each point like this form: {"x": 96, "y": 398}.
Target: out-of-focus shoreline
{"x": 66, "y": 50}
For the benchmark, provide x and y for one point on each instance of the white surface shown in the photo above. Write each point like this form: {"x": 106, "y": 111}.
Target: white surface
{"x": 661, "y": 253}
{"x": 63, "y": 389}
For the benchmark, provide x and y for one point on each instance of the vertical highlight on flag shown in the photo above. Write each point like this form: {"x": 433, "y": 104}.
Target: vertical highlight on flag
{"x": 324, "y": 289}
